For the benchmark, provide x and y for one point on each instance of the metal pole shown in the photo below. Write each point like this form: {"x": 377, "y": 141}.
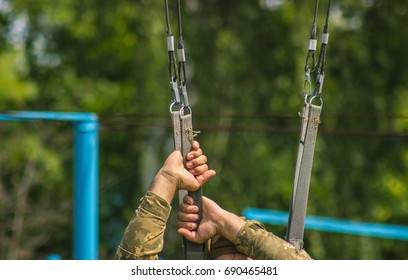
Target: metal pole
{"x": 86, "y": 193}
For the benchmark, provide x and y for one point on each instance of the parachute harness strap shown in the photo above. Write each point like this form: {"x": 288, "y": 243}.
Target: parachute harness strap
{"x": 312, "y": 106}
{"x": 181, "y": 115}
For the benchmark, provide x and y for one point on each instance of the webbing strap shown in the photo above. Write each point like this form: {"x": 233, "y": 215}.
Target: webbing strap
{"x": 175, "y": 120}
{"x": 182, "y": 123}
{"x": 305, "y": 118}
{"x": 297, "y": 213}
{"x": 192, "y": 251}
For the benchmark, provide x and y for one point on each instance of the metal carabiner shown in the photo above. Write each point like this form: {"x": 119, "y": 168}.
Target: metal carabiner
{"x": 175, "y": 91}
{"x": 307, "y": 86}
{"x": 184, "y": 93}
{"x": 318, "y": 89}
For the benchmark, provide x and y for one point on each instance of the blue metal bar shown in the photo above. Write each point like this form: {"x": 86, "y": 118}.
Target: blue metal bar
{"x": 48, "y": 116}
{"x": 86, "y": 238}
{"x": 331, "y": 224}
{"x": 86, "y": 191}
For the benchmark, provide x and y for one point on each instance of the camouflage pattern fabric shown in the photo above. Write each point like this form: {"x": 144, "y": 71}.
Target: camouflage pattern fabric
{"x": 260, "y": 244}
{"x": 143, "y": 238}
{"x": 218, "y": 245}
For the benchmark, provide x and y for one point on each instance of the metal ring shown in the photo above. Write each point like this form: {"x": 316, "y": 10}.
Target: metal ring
{"x": 183, "y": 108}
{"x": 174, "y": 103}
{"x": 316, "y": 97}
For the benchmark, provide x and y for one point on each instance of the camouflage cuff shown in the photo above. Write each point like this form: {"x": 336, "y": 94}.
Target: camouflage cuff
{"x": 246, "y": 236}
{"x": 157, "y": 206}
{"x": 143, "y": 238}
{"x": 259, "y": 244}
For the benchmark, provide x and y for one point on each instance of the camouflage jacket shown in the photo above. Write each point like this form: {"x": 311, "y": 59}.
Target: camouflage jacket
{"x": 143, "y": 238}
{"x": 260, "y": 244}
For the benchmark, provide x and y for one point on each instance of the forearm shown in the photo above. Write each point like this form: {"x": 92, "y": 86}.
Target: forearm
{"x": 143, "y": 238}
{"x": 259, "y": 244}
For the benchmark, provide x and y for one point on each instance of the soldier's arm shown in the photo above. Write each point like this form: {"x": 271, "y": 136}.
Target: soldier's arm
{"x": 143, "y": 238}
{"x": 248, "y": 237}
{"x": 260, "y": 244}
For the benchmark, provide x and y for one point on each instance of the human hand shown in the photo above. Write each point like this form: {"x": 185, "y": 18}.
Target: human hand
{"x": 196, "y": 174}
{"x": 188, "y": 217}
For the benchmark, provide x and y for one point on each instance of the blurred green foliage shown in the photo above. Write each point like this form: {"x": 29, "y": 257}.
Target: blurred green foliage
{"x": 245, "y": 63}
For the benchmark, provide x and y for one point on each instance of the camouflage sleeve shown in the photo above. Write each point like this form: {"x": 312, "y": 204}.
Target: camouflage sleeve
{"x": 260, "y": 244}
{"x": 143, "y": 238}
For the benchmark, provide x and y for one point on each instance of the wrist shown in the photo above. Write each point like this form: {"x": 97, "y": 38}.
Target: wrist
{"x": 229, "y": 225}
{"x": 164, "y": 185}
{"x": 168, "y": 176}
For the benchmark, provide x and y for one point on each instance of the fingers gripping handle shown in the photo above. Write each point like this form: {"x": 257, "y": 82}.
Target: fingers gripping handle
{"x": 197, "y": 197}
{"x": 192, "y": 251}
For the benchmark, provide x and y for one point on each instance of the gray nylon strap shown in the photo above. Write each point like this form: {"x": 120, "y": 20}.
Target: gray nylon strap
{"x": 192, "y": 251}
{"x": 195, "y": 255}
{"x": 175, "y": 120}
{"x": 187, "y": 134}
{"x": 305, "y": 117}
{"x": 302, "y": 176}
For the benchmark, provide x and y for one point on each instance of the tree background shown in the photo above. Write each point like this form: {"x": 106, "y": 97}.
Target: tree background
{"x": 245, "y": 63}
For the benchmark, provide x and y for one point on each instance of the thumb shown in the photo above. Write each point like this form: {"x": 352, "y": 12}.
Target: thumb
{"x": 205, "y": 177}
{"x": 188, "y": 181}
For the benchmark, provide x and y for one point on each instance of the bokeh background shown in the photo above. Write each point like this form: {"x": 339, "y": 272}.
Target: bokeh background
{"x": 245, "y": 67}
